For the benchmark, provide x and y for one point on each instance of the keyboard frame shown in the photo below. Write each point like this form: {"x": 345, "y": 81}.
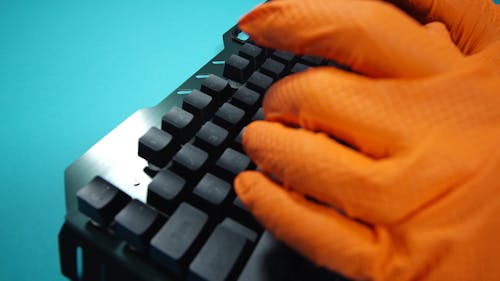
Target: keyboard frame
{"x": 104, "y": 256}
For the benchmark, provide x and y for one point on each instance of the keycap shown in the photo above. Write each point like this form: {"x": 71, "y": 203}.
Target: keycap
{"x": 216, "y": 87}
{"x": 212, "y": 191}
{"x": 311, "y": 60}
{"x": 221, "y": 256}
{"x": 190, "y": 162}
{"x": 179, "y": 123}
{"x": 237, "y": 68}
{"x": 271, "y": 260}
{"x": 259, "y": 115}
{"x": 238, "y": 141}
{"x": 176, "y": 242}
{"x": 259, "y": 82}
{"x": 240, "y": 229}
{"x": 231, "y": 163}
{"x": 299, "y": 67}
{"x": 166, "y": 190}
{"x": 211, "y": 138}
{"x": 284, "y": 57}
{"x": 100, "y": 201}
{"x": 199, "y": 104}
{"x": 254, "y": 54}
{"x": 245, "y": 99}
{"x": 229, "y": 116}
{"x": 157, "y": 147}
{"x": 242, "y": 214}
{"x": 273, "y": 68}
{"x": 136, "y": 224}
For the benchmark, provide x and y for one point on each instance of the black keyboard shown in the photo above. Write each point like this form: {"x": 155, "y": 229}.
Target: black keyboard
{"x": 154, "y": 200}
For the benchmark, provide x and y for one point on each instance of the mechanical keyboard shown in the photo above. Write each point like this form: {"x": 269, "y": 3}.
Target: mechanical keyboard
{"x": 154, "y": 200}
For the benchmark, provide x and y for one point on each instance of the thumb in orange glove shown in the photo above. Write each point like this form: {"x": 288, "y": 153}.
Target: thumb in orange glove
{"x": 420, "y": 195}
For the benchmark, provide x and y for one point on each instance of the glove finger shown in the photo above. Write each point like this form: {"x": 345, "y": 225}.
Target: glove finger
{"x": 360, "y": 111}
{"x": 317, "y": 232}
{"x": 473, "y": 24}
{"x": 317, "y": 166}
{"x": 371, "y": 37}
{"x": 439, "y": 29}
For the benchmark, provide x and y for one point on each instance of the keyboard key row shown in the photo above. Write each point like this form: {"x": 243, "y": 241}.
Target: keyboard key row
{"x": 190, "y": 168}
{"x": 158, "y": 147}
{"x": 186, "y": 243}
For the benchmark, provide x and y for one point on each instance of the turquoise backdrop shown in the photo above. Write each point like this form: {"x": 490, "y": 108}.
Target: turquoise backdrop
{"x": 71, "y": 71}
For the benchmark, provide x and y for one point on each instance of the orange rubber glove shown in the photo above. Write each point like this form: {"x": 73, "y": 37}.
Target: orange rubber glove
{"x": 419, "y": 198}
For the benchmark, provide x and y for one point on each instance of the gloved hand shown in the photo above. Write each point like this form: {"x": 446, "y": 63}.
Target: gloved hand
{"x": 419, "y": 197}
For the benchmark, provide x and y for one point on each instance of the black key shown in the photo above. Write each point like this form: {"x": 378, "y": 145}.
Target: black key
{"x": 229, "y": 116}
{"x": 190, "y": 162}
{"x": 239, "y": 205}
{"x": 237, "y": 68}
{"x": 100, "y": 201}
{"x": 271, "y": 260}
{"x": 178, "y": 239}
{"x": 238, "y": 141}
{"x": 199, "y": 104}
{"x": 240, "y": 211}
{"x": 254, "y": 54}
{"x": 221, "y": 257}
{"x": 284, "y": 57}
{"x": 246, "y": 99}
{"x": 240, "y": 229}
{"x": 268, "y": 51}
{"x": 273, "y": 68}
{"x": 179, "y": 123}
{"x": 259, "y": 115}
{"x": 259, "y": 82}
{"x": 166, "y": 191}
{"x": 217, "y": 87}
{"x": 136, "y": 224}
{"x": 299, "y": 67}
{"x": 157, "y": 147}
{"x": 231, "y": 163}
{"x": 211, "y": 138}
{"x": 311, "y": 60}
{"x": 213, "y": 191}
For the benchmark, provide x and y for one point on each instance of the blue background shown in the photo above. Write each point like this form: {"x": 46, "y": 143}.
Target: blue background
{"x": 70, "y": 71}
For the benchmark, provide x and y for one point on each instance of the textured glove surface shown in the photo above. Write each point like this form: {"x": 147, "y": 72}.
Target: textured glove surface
{"x": 418, "y": 198}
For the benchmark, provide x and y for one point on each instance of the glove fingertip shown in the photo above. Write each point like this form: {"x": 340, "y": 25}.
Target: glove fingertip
{"x": 244, "y": 184}
{"x": 258, "y": 22}
{"x": 249, "y": 23}
{"x": 250, "y": 136}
